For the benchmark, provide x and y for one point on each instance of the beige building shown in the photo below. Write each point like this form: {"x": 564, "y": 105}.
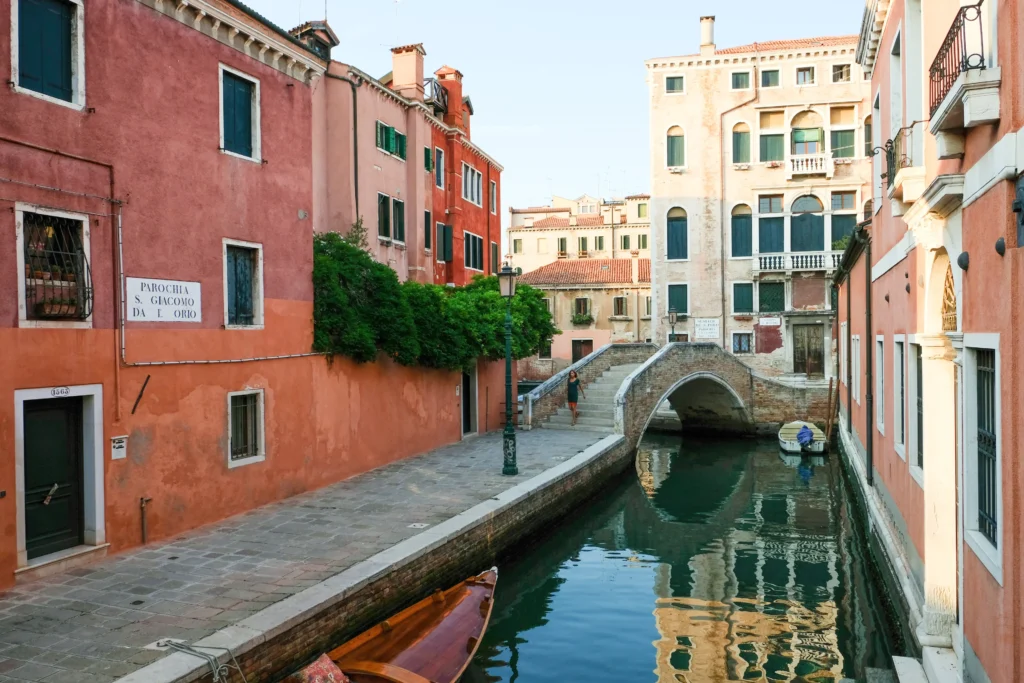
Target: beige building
{"x": 759, "y": 165}
{"x": 585, "y": 227}
{"x": 594, "y": 301}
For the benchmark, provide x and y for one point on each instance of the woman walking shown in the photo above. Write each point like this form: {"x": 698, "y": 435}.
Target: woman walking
{"x": 575, "y": 389}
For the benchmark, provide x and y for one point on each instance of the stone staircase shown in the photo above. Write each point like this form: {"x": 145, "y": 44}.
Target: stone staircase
{"x": 597, "y": 410}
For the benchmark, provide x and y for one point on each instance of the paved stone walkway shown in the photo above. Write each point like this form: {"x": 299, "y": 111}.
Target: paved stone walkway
{"x": 91, "y": 625}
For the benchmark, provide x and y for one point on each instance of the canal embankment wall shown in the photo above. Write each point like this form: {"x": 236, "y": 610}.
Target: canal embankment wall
{"x": 286, "y": 635}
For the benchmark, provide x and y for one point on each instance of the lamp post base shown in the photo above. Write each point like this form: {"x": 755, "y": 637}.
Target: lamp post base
{"x": 509, "y": 449}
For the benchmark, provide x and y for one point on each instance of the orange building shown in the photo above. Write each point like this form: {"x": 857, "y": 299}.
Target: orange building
{"x": 930, "y": 326}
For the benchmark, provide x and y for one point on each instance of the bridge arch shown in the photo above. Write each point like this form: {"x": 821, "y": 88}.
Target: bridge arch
{"x": 704, "y": 401}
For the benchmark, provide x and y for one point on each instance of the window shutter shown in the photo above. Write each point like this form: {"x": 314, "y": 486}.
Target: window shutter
{"x": 676, "y": 155}
{"x": 479, "y": 253}
{"x": 677, "y": 299}
{"x": 44, "y": 47}
{"x": 400, "y": 145}
{"x": 243, "y": 116}
{"x": 390, "y": 144}
{"x": 449, "y": 252}
{"x": 427, "y": 164}
{"x": 771, "y": 235}
{"x": 427, "y": 230}
{"x": 741, "y": 147}
{"x": 494, "y": 257}
{"x": 743, "y": 297}
{"x": 742, "y": 242}
{"x": 677, "y": 238}
{"x": 398, "y": 219}
{"x": 807, "y": 232}
{"x": 381, "y": 136}
{"x": 842, "y": 225}
{"x": 383, "y": 216}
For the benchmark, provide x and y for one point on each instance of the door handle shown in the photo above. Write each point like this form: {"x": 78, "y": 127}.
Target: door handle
{"x": 49, "y": 496}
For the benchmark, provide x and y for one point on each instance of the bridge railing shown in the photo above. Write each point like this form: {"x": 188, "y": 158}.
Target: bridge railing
{"x": 545, "y": 400}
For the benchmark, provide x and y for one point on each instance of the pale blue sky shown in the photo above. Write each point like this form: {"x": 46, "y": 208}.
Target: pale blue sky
{"x": 558, "y": 85}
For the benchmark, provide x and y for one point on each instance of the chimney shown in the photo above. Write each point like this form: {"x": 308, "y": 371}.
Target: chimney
{"x": 634, "y": 266}
{"x": 707, "y": 36}
{"x": 572, "y": 220}
{"x": 407, "y": 71}
{"x": 451, "y": 80}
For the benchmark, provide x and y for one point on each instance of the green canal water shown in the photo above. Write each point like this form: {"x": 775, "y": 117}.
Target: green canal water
{"x": 720, "y": 560}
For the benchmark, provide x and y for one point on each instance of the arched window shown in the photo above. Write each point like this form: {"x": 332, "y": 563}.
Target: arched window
{"x": 677, "y": 238}
{"x": 676, "y": 145}
{"x": 742, "y": 231}
{"x": 741, "y": 144}
{"x": 808, "y": 134}
{"x": 807, "y": 228}
{"x": 869, "y": 209}
{"x": 868, "y": 140}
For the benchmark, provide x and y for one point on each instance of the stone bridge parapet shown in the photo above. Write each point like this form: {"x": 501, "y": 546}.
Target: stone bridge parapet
{"x": 711, "y": 390}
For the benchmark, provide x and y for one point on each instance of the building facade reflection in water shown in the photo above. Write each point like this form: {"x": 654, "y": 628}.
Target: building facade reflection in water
{"x": 743, "y": 560}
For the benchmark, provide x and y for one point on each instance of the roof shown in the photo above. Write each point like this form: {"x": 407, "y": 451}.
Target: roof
{"x": 780, "y": 45}
{"x": 253, "y": 14}
{"x": 588, "y": 271}
{"x": 581, "y": 222}
{"x": 415, "y": 47}
{"x": 318, "y": 25}
{"x": 541, "y": 209}
{"x": 638, "y": 196}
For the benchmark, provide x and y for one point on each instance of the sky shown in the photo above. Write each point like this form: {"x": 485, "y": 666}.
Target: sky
{"x": 558, "y": 86}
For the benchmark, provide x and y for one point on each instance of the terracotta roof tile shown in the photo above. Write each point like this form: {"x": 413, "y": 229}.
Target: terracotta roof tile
{"x": 587, "y": 271}
{"x": 796, "y": 44}
{"x": 638, "y": 196}
{"x": 542, "y": 209}
{"x": 589, "y": 221}
{"x": 552, "y": 222}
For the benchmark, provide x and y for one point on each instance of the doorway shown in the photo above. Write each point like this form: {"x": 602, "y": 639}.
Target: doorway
{"x": 581, "y": 348}
{"x": 53, "y": 476}
{"x": 809, "y": 350}
{"x": 469, "y": 402}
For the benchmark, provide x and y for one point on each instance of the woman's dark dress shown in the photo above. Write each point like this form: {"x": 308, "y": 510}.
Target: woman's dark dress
{"x": 574, "y": 387}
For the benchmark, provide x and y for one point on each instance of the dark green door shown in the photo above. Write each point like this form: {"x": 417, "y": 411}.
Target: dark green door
{"x": 53, "y": 475}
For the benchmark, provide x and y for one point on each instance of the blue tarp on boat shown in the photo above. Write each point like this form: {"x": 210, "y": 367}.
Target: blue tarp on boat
{"x": 805, "y": 436}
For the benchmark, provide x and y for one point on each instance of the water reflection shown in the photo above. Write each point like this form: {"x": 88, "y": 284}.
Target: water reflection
{"x": 723, "y": 560}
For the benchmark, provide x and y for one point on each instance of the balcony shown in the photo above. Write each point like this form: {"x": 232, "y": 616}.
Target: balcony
{"x": 809, "y": 164}
{"x": 826, "y": 261}
{"x": 963, "y": 92}
{"x": 904, "y": 175}
{"x": 435, "y": 96}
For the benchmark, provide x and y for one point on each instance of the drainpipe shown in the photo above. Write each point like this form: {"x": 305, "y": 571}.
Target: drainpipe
{"x": 355, "y": 129}
{"x": 870, "y": 367}
{"x": 755, "y": 73}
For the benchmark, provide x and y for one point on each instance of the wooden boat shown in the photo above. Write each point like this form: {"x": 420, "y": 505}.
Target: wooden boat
{"x": 431, "y": 642}
{"x": 788, "y": 441}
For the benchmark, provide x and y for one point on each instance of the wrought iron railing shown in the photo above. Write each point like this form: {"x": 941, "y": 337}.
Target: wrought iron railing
{"x": 957, "y": 53}
{"x": 435, "y": 95}
{"x": 58, "y": 281}
{"x": 897, "y": 154}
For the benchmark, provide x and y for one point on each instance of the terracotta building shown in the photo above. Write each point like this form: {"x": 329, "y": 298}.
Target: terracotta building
{"x": 929, "y": 296}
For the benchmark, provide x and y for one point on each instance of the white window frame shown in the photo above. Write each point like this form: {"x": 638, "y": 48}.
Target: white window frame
{"x": 855, "y": 363}
{"x": 439, "y": 167}
{"x": 625, "y": 306}
{"x": 647, "y": 308}
{"x": 674, "y": 92}
{"x": 733, "y": 342}
{"x": 260, "y": 429}
{"x": 814, "y": 75}
{"x": 644, "y": 244}
{"x": 397, "y": 132}
{"x": 473, "y": 180}
{"x": 517, "y": 245}
{"x": 20, "y": 209}
{"x": 842, "y": 352}
{"x": 880, "y": 383}
{"x": 762, "y": 86}
{"x": 393, "y": 238}
{"x": 598, "y": 243}
{"x": 77, "y": 60}
{"x": 465, "y": 238}
{"x": 257, "y": 298}
{"x": 493, "y": 186}
{"x": 750, "y": 81}
{"x": 686, "y": 152}
{"x": 732, "y": 296}
{"x": 257, "y": 135}
{"x": 678, "y": 313}
{"x": 899, "y": 408}
{"x": 438, "y": 246}
{"x": 915, "y": 355}
{"x": 989, "y": 555}
{"x": 833, "y": 72}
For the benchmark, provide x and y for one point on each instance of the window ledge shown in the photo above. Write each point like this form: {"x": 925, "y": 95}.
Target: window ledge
{"x": 743, "y": 316}
{"x": 908, "y": 185}
{"x": 917, "y": 474}
{"x": 619, "y": 318}
{"x": 77, "y": 106}
{"x": 385, "y": 240}
{"x": 645, "y": 317}
{"x": 989, "y": 555}
{"x": 399, "y": 245}
{"x": 676, "y": 169}
{"x": 901, "y": 451}
{"x": 253, "y": 160}
{"x": 244, "y": 327}
{"x": 56, "y": 324}
{"x": 972, "y": 101}
{"x": 741, "y": 167}
{"x": 232, "y": 464}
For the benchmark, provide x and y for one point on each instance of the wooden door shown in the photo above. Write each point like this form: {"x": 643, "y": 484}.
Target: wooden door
{"x": 809, "y": 350}
{"x": 53, "y": 475}
{"x": 467, "y": 403}
{"x": 581, "y": 348}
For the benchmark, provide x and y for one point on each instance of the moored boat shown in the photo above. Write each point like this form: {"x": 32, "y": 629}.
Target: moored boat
{"x": 431, "y": 642}
{"x": 789, "y": 440}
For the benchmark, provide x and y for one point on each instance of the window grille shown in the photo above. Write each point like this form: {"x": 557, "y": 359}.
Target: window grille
{"x": 987, "y": 491}
{"x": 245, "y": 426}
{"x": 771, "y": 297}
{"x": 58, "y": 281}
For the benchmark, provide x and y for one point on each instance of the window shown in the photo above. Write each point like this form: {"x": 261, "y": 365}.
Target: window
{"x": 843, "y": 145}
{"x": 641, "y": 210}
{"x": 742, "y": 231}
{"x": 899, "y": 395}
{"x": 472, "y": 185}
{"x": 805, "y": 75}
{"x": 445, "y": 238}
{"x": 843, "y": 223}
{"x": 855, "y": 362}
{"x": 428, "y": 162}
{"x": 240, "y": 114}
{"x": 642, "y": 239}
{"x": 983, "y": 441}
{"x": 770, "y": 78}
{"x": 771, "y": 203}
{"x": 868, "y": 141}
{"x": 770, "y": 230}
{"x": 398, "y": 219}
{"x": 880, "y": 384}
{"x": 741, "y": 342}
{"x": 599, "y": 243}
{"x": 678, "y": 299}
{"x": 919, "y": 400}
{"x": 842, "y": 353}
{"x": 245, "y": 414}
{"x": 840, "y": 73}
{"x": 581, "y": 306}
{"x": 676, "y": 147}
{"x": 741, "y": 80}
{"x": 563, "y": 245}
{"x": 844, "y": 201}
{"x": 808, "y": 140}
{"x": 771, "y": 297}
{"x": 742, "y": 297}
{"x": 773, "y": 147}
{"x": 741, "y": 144}
{"x": 383, "y": 216}
{"x": 243, "y": 284}
{"x": 674, "y": 84}
{"x": 678, "y": 337}
{"x": 807, "y": 226}
{"x": 439, "y": 167}
{"x": 619, "y": 308}
{"x": 625, "y": 242}
{"x": 473, "y": 246}
{"x": 647, "y": 307}
{"x": 494, "y": 197}
{"x": 54, "y": 252}
{"x": 517, "y": 246}
{"x": 581, "y": 245}
{"x": 494, "y": 257}
{"x": 544, "y": 353}
{"x": 677, "y": 248}
{"x": 50, "y": 50}
{"x": 427, "y": 230}
{"x": 390, "y": 140}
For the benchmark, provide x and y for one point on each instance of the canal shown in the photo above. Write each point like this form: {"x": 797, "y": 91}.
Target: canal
{"x": 720, "y": 560}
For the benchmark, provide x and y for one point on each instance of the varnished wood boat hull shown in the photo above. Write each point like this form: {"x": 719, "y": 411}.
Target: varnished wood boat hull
{"x": 431, "y": 642}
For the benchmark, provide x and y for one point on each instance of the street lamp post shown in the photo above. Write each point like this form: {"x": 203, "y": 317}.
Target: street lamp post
{"x": 507, "y": 281}
{"x": 673, "y": 315}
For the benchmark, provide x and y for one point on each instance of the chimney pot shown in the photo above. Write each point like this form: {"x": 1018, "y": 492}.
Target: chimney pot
{"x": 407, "y": 71}
{"x": 707, "y": 35}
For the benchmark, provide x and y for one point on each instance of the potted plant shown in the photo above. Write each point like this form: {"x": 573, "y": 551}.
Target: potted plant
{"x": 69, "y": 276}
{"x": 582, "y": 319}
{"x": 55, "y": 272}
{"x": 57, "y": 308}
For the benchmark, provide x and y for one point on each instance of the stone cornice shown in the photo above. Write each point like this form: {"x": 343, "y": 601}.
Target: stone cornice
{"x": 872, "y": 26}
{"x": 760, "y": 58}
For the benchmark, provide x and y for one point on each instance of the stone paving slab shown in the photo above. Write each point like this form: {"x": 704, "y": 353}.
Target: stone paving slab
{"x": 91, "y": 625}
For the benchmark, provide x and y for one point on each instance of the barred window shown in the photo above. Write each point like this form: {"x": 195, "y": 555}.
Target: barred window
{"x": 246, "y": 416}
{"x": 58, "y": 280}
{"x": 987, "y": 437}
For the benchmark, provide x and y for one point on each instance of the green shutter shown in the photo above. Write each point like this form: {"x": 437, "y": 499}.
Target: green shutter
{"x": 428, "y": 164}
{"x": 743, "y": 297}
{"x": 742, "y": 235}
{"x": 383, "y": 215}
{"x": 391, "y": 144}
{"x": 398, "y": 219}
{"x": 678, "y": 239}
{"x": 677, "y": 299}
{"x": 238, "y": 93}
{"x": 44, "y": 47}
{"x": 625, "y": 242}
{"x": 427, "y": 230}
{"x": 494, "y": 257}
{"x": 772, "y": 147}
{"x": 676, "y": 150}
{"x": 842, "y": 144}
{"x": 741, "y": 147}
{"x": 449, "y": 251}
{"x": 381, "y": 136}
{"x": 400, "y": 145}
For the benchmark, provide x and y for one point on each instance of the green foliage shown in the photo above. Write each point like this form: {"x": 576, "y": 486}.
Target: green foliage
{"x": 582, "y": 319}
{"x": 357, "y": 235}
{"x": 359, "y": 308}
{"x": 840, "y": 245}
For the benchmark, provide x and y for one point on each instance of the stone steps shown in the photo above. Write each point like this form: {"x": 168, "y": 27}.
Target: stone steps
{"x": 597, "y": 410}
{"x": 577, "y": 428}
{"x": 583, "y": 419}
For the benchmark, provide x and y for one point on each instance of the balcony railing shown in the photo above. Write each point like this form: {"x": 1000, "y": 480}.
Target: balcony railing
{"x": 809, "y": 164}
{"x": 897, "y": 154}
{"x": 962, "y": 50}
{"x": 805, "y": 260}
{"x": 435, "y": 95}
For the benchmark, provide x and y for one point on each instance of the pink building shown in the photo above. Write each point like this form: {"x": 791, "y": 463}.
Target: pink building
{"x": 930, "y": 302}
